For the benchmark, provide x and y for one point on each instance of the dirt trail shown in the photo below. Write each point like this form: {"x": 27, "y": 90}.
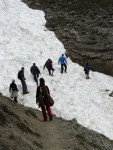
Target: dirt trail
{"x": 53, "y": 134}
{"x": 23, "y": 129}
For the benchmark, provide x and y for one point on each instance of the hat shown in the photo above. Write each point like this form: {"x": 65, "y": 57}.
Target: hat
{"x": 13, "y": 80}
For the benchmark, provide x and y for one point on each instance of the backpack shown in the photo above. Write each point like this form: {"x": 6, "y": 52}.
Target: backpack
{"x": 42, "y": 96}
{"x": 19, "y": 75}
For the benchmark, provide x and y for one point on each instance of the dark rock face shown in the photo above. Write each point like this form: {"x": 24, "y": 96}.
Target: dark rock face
{"x": 85, "y": 27}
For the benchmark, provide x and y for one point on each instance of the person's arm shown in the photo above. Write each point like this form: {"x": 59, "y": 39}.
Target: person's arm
{"x": 37, "y": 93}
{"x": 58, "y": 61}
{"x": 16, "y": 87}
{"x": 38, "y": 71}
{"x": 48, "y": 90}
{"x": 65, "y": 60}
{"x": 44, "y": 65}
{"x": 31, "y": 69}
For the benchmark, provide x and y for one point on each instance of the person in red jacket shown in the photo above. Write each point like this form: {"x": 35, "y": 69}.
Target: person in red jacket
{"x": 48, "y": 64}
{"x": 44, "y": 91}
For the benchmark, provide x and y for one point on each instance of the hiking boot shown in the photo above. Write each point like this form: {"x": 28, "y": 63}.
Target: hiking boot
{"x": 25, "y": 92}
{"x": 50, "y": 118}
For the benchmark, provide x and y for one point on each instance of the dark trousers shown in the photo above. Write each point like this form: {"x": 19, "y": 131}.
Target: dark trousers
{"x": 24, "y": 86}
{"x": 45, "y": 108}
{"x": 63, "y": 67}
{"x": 49, "y": 70}
{"x": 35, "y": 78}
{"x": 87, "y": 74}
{"x": 15, "y": 99}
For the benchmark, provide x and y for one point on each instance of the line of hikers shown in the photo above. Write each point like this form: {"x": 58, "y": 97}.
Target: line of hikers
{"x": 42, "y": 88}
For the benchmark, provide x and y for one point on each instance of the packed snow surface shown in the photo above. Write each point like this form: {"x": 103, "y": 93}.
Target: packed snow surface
{"x": 24, "y": 39}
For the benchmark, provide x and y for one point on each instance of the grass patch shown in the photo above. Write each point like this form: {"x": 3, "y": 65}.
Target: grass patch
{"x": 80, "y": 137}
{"x": 94, "y": 145}
{"x": 2, "y": 118}
{"x": 37, "y": 144}
{"x": 4, "y": 147}
{"x": 24, "y": 128}
{"x": 6, "y": 110}
{"x": 30, "y": 113}
{"x": 83, "y": 139}
{"x": 26, "y": 122}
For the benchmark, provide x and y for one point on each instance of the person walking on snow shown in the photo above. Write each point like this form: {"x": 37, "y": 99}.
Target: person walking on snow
{"x": 63, "y": 62}
{"x": 86, "y": 69}
{"x": 44, "y": 91}
{"x": 49, "y": 66}
{"x": 22, "y": 79}
{"x": 35, "y": 72}
{"x": 13, "y": 90}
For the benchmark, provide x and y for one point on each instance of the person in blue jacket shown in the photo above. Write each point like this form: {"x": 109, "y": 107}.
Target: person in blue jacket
{"x": 63, "y": 62}
{"x": 86, "y": 69}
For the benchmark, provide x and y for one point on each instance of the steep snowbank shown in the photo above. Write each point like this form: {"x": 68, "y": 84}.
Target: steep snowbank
{"x": 24, "y": 39}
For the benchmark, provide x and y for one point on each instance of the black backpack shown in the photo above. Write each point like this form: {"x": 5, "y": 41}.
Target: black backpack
{"x": 19, "y": 75}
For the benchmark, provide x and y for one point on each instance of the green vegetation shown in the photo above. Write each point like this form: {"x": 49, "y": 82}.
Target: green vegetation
{"x": 30, "y": 113}
{"x": 24, "y": 128}
{"x": 84, "y": 140}
{"x": 4, "y": 147}
{"x": 2, "y": 118}
{"x": 6, "y": 110}
{"x": 37, "y": 144}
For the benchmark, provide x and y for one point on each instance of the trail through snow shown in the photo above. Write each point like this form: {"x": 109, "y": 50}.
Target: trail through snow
{"x": 24, "y": 39}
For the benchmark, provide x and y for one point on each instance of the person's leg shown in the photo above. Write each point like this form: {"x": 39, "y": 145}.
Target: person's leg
{"x": 15, "y": 99}
{"x": 52, "y": 69}
{"x": 65, "y": 66}
{"x": 49, "y": 70}
{"x": 48, "y": 109}
{"x": 24, "y": 86}
{"x": 44, "y": 113}
{"x": 35, "y": 78}
{"x": 61, "y": 68}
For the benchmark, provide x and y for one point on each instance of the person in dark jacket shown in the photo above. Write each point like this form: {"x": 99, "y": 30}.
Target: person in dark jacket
{"x": 35, "y": 72}
{"x": 49, "y": 66}
{"x": 13, "y": 90}
{"x": 22, "y": 79}
{"x": 63, "y": 62}
{"x": 86, "y": 69}
{"x": 45, "y": 107}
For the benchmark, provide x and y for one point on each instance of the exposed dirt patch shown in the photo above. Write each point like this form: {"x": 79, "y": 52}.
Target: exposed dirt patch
{"x": 22, "y": 128}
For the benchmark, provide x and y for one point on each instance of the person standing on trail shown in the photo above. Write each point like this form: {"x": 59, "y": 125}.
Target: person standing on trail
{"x": 13, "y": 90}
{"x": 35, "y": 72}
{"x": 86, "y": 69}
{"x": 49, "y": 66}
{"x": 63, "y": 62}
{"x": 22, "y": 79}
{"x": 43, "y": 90}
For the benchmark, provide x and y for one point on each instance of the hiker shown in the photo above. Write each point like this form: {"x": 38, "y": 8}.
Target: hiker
{"x": 86, "y": 69}
{"x": 49, "y": 66}
{"x": 44, "y": 91}
{"x": 22, "y": 79}
{"x": 35, "y": 72}
{"x": 63, "y": 62}
{"x": 13, "y": 90}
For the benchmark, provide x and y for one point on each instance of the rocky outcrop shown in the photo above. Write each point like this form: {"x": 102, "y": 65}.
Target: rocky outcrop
{"x": 22, "y": 128}
{"x": 85, "y": 27}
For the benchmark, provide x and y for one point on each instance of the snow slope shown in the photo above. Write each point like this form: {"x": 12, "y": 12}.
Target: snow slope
{"x": 24, "y": 40}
